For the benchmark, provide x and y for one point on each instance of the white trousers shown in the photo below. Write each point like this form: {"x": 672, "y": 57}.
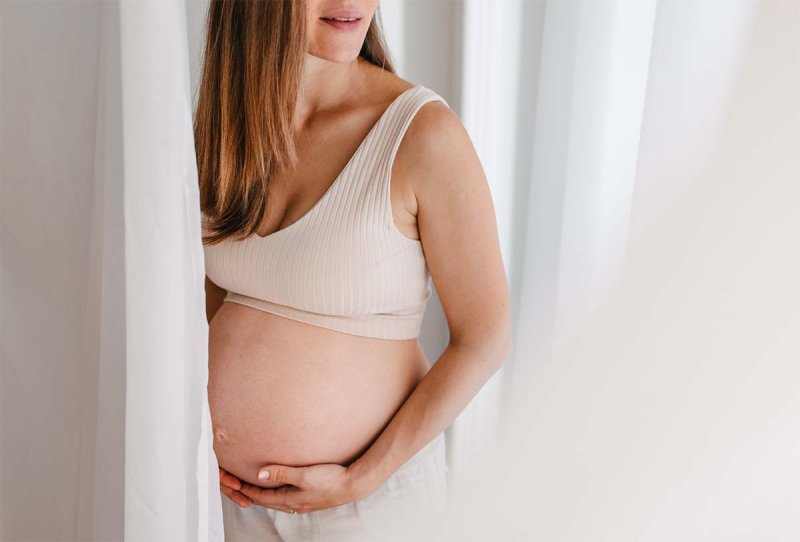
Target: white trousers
{"x": 410, "y": 505}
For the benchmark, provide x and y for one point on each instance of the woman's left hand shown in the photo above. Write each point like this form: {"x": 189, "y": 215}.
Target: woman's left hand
{"x": 310, "y": 488}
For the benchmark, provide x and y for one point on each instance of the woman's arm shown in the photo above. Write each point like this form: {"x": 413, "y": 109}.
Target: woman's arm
{"x": 458, "y": 230}
{"x": 214, "y": 297}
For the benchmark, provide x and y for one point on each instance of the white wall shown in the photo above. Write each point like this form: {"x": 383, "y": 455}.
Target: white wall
{"x": 54, "y": 344}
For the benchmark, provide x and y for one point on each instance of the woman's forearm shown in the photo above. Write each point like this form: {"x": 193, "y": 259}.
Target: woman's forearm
{"x": 456, "y": 377}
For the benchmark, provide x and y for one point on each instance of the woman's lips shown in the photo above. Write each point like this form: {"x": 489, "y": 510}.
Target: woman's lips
{"x": 343, "y": 25}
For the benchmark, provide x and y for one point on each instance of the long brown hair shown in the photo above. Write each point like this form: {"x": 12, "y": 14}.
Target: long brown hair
{"x": 254, "y": 56}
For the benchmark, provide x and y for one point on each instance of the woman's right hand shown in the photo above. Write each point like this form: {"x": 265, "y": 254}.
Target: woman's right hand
{"x": 230, "y": 486}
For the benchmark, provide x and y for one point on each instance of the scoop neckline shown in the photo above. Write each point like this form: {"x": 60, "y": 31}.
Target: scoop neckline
{"x": 362, "y": 144}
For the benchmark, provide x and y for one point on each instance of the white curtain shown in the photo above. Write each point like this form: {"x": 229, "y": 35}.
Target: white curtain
{"x": 642, "y": 157}
{"x": 171, "y": 477}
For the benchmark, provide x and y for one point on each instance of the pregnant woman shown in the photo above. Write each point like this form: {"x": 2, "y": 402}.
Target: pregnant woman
{"x": 332, "y": 192}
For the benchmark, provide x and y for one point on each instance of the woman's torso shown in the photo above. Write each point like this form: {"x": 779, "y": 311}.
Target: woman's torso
{"x": 289, "y": 392}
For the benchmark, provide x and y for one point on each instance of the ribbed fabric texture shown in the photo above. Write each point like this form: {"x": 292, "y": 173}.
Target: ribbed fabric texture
{"x": 343, "y": 265}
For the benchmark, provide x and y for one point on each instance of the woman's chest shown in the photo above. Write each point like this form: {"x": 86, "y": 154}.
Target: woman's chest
{"x": 350, "y": 269}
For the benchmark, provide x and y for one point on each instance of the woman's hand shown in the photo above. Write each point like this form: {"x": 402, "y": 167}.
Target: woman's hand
{"x": 230, "y": 486}
{"x": 310, "y": 488}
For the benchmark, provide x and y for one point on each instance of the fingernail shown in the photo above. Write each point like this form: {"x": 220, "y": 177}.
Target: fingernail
{"x": 263, "y": 475}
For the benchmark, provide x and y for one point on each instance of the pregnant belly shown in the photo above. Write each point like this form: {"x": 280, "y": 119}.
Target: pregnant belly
{"x": 291, "y": 393}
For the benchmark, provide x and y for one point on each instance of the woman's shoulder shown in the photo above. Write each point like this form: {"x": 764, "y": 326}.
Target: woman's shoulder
{"x": 436, "y": 144}
{"x": 434, "y": 118}
{"x": 434, "y": 128}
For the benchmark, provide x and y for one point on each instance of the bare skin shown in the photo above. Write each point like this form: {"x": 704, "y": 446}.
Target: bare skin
{"x": 350, "y": 409}
{"x": 282, "y": 391}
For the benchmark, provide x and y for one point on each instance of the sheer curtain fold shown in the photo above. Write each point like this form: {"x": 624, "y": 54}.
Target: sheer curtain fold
{"x": 101, "y": 494}
{"x": 171, "y": 488}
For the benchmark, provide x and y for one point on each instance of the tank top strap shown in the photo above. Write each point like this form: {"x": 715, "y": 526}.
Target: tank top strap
{"x": 404, "y": 113}
{"x": 399, "y": 121}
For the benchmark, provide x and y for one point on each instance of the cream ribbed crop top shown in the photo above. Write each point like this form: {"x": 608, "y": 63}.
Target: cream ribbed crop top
{"x": 343, "y": 265}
